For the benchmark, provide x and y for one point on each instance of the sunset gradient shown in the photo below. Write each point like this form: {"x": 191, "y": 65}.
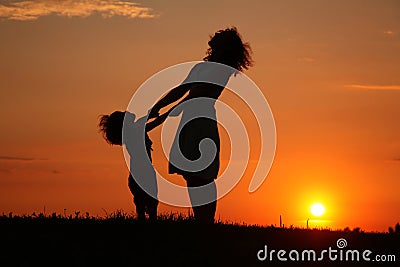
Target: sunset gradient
{"x": 329, "y": 70}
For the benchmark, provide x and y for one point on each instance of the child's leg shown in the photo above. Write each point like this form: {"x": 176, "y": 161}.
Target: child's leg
{"x": 138, "y": 198}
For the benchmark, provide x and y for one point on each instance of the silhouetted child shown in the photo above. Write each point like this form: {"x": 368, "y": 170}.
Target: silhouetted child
{"x": 138, "y": 145}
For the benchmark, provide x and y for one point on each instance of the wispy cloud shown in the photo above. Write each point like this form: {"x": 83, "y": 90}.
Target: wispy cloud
{"x": 389, "y": 33}
{"x": 373, "y": 87}
{"x": 306, "y": 59}
{"x": 12, "y": 158}
{"x": 395, "y": 160}
{"x": 4, "y": 170}
{"x": 32, "y": 10}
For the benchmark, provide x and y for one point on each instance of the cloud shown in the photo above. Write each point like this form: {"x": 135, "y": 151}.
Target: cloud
{"x": 11, "y": 158}
{"x": 3, "y": 170}
{"x": 306, "y": 59}
{"x": 32, "y": 10}
{"x": 388, "y": 33}
{"x": 395, "y": 160}
{"x": 373, "y": 87}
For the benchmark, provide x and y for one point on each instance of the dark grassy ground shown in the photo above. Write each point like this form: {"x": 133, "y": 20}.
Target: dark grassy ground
{"x": 120, "y": 240}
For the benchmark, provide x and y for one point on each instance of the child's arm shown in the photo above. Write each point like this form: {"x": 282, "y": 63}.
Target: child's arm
{"x": 160, "y": 119}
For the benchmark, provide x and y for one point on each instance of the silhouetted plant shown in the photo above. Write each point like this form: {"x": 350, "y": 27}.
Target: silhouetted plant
{"x": 395, "y": 230}
{"x": 358, "y": 230}
{"x": 119, "y": 216}
{"x": 77, "y": 214}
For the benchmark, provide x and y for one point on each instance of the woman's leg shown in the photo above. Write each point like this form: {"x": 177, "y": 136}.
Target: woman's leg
{"x": 204, "y": 213}
{"x": 140, "y": 207}
{"x": 151, "y": 207}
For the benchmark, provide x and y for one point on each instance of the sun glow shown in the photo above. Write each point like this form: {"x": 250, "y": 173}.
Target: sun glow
{"x": 317, "y": 209}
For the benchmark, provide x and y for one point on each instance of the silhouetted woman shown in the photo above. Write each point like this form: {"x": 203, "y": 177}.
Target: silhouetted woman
{"x": 198, "y": 120}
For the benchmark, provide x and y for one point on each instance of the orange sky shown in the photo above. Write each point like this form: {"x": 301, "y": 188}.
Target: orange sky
{"x": 330, "y": 72}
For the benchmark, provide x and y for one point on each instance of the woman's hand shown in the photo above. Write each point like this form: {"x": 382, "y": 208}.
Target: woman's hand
{"x": 172, "y": 96}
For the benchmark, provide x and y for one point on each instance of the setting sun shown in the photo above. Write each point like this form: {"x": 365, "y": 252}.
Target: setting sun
{"x": 317, "y": 209}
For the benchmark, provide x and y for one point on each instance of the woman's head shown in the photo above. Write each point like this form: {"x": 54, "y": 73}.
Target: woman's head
{"x": 227, "y": 47}
{"x": 111, "y": 127}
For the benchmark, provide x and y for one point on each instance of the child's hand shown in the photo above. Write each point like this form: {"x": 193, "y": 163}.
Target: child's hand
{"x": 153, "y": 113}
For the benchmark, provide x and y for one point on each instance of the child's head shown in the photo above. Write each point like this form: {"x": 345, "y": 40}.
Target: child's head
{"x": 111, "y": 127}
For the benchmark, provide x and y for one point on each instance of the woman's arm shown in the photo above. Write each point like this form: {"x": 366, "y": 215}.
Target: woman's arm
{"x": 176, "y": 93}
{"x": 160, "y": 119}
{"x": 172, "y": 96}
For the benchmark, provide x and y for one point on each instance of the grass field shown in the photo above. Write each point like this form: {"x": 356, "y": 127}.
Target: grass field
{"x": 174, "y": 240}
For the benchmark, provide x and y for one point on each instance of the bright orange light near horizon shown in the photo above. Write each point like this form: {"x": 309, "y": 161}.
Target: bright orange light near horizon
{"x": 317, "y": 209}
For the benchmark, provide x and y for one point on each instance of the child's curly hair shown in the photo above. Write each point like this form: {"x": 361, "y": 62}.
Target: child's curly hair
{"x": 111, "y": 127}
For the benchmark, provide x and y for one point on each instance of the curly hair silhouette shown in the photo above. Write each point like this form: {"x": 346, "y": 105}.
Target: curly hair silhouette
{"x": 227, "y": 47}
